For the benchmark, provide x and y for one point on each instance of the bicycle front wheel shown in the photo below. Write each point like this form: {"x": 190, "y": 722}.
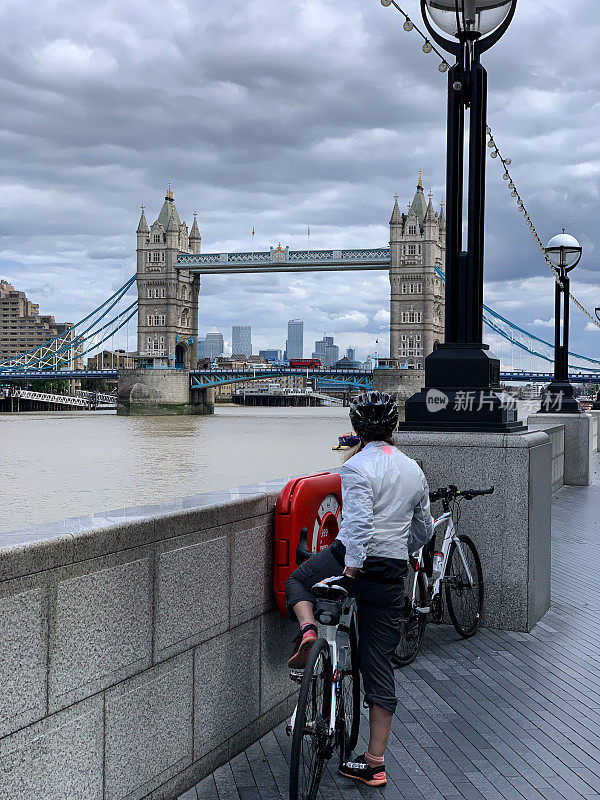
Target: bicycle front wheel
{"x": 412, "y": 626}
{"x": 465, "y": 599}
{"x": 310, "y": 738}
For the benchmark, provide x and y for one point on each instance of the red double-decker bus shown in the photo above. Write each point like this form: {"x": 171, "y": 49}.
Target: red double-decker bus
{"x": 305, "y": 363}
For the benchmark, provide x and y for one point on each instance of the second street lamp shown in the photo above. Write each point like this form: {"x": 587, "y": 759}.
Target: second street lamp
{"x": 462, "y": 377}
{"x": 564, "y": 252}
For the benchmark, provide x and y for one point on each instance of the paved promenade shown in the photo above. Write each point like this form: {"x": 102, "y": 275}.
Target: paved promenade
{"x": 503, "y": 716}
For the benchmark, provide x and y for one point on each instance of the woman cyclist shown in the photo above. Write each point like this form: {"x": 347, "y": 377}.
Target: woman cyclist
{"x": 385, "y": 498}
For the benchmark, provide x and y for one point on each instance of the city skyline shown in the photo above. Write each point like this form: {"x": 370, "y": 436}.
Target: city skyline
{"x": 229, "y": 349}
{"x": 345, "y": 140}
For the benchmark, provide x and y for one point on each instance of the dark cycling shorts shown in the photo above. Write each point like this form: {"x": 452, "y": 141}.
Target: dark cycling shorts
{"x": 379, "y": 607}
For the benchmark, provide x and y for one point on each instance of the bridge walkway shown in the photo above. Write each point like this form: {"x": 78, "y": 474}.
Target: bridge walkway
{"x": 503, "y": 716}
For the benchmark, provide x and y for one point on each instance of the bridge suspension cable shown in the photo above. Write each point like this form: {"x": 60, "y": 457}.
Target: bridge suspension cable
{"x": 518, "y": 336}
{"x": 68, "y": 347}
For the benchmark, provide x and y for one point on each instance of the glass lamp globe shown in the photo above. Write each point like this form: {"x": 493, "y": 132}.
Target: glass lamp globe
{"x": 564, "y": 250}
{"x": 468, "y": 16}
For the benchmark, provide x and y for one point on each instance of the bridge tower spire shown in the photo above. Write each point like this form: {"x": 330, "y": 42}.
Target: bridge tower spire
{"x": 417, "y": 244}
{"x": 167, "y": 295}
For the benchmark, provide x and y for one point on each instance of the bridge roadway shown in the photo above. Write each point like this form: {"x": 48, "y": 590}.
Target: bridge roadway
{"x": 281, "y": 259}
{"x": 202, "y": 379}
{"x": 501, "y": 716}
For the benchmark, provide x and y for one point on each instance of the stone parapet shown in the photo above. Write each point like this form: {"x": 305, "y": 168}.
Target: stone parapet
{"x": 510, "y": 528}
{"x": 580, "y": 443}
{"x": 140, "y": 648}
{"x": 595, "y": 414}
{"x": 557, "y": 439}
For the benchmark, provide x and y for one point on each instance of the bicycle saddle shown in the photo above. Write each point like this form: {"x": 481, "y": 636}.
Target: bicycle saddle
{"x": 329, "y": 592}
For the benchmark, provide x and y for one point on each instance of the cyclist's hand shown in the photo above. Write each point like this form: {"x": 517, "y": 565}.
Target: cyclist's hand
{"x": 342, "y": 582}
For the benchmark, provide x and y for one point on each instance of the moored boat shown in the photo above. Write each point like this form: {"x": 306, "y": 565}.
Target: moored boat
{"x": 346, "y": 441}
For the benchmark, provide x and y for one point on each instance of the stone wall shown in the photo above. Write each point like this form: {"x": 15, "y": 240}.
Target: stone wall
{"x": 153, "y": 392}
{"x": 400, "y": 383}
{"x": 140, "y": 649}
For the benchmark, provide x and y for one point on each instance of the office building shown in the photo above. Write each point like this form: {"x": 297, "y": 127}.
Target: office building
{"x": 214, "y": 344}
{"x": 22, "y": 328}
{"x": 332, "y": 354}
{"x": 111, "y": 359}
{"x": 273, "y": 356}
{"x": 201, "y": 348}
{"x": 326, "y": 351}
{"x": 241, "y": 340}
{"x": 351, "y": 354}
{"x": 294, "y": 346}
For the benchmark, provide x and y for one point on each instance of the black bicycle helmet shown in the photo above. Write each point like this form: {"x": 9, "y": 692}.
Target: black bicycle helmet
{"x": 374, "y": 415}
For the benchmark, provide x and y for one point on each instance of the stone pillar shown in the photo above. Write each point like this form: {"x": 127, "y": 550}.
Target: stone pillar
{"x": 580, "y": 444}
{"x": 596, "y": 416}
{"x": 510, "y": 528}
{"x": 400, "y": 383}
{"x": 154, "y": 392}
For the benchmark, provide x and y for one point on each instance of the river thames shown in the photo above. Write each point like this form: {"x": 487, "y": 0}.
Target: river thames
{"x": 67, "y": 464}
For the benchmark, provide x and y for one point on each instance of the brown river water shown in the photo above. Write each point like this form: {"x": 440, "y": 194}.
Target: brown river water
{"x": 69, "y": 464}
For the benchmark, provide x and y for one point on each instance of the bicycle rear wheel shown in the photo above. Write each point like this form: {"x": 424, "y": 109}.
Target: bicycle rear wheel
{"x": 310, "y": 735}
{"x": 412, "y": 626}
{"x": 465, "y": 601}
{"x": 350, "y": 698}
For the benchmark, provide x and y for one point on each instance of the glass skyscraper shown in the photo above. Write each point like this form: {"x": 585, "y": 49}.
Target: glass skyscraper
{"x": 241, "y": 340}
{"x": 294, "y": 346}
{"x": 326, "y": 351}
{"x": 214, "y": 344}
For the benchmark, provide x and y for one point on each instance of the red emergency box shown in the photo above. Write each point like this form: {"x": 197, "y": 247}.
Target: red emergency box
{"x": 308, "y": 510}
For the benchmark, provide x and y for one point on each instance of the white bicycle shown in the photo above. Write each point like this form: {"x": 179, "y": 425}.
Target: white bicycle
{"x": 327, "y": 716}
{"x": 456, "y": 568}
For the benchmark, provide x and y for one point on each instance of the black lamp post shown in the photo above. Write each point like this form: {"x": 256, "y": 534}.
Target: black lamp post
{"x": 462, "y": 375}
{"x": 564, "y": 252}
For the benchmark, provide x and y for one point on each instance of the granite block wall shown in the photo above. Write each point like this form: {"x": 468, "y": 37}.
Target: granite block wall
{"x": 139, "y": 649}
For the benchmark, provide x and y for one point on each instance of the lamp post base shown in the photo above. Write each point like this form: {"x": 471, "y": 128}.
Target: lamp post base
{"x": 559, "y": 399}
{"x": 462, "y": 393}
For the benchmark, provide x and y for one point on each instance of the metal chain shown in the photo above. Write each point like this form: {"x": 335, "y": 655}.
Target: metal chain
{"x": 409, "y": 25}
{"x": 506, "y": 162}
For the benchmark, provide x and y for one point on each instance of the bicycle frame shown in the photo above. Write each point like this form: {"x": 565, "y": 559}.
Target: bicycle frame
{"x": 449, "y": 537}
{"x": 338, "y": 639}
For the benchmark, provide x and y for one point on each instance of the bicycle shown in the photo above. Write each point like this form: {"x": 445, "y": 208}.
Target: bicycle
{"x": 457, "y": 568}
{"x": 327, "y": 715}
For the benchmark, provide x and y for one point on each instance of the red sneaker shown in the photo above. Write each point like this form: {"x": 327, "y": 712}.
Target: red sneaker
{"x": 359, "y": 770}
{"x": 302, "y": 646}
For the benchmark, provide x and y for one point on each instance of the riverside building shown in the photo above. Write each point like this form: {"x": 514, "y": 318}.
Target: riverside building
{"x": 22, "y": 328}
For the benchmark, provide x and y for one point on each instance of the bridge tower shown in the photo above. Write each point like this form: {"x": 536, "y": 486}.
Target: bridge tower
{"x": 417, "y": 245}
{"x": 167, "y": 296}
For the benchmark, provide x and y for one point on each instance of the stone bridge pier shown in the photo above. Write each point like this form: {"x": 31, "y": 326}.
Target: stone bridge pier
{"x": 155, "y": 392}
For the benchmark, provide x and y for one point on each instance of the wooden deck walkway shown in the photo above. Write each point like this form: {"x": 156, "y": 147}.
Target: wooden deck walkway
{"x": 503, "y": 716}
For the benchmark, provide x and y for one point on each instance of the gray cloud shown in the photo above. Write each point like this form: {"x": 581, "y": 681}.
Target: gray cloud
{"x": 278, "y": 115}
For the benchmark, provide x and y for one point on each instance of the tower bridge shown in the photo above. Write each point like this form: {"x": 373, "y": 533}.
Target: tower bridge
{"x": 170, "y": 266}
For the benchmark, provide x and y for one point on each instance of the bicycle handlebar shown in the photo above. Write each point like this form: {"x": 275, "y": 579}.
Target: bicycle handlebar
{"x": 451, "y": 492}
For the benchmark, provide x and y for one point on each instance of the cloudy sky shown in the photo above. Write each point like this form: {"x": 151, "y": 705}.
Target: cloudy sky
{"x": 278, "y": 115}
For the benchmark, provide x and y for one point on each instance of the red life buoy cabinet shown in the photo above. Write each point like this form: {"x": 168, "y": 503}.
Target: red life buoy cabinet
{"x": 308, "y": 508}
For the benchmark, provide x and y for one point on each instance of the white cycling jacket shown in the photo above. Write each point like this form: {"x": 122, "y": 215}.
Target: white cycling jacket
{"x": 385, "y": 500}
